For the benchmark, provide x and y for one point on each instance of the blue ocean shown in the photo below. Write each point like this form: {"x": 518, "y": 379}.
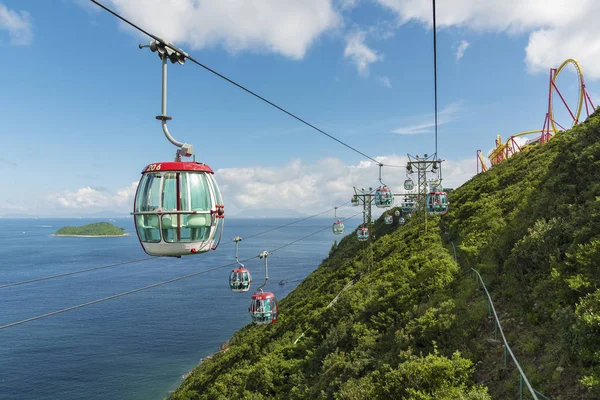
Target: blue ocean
{"x": 137, "y": 346}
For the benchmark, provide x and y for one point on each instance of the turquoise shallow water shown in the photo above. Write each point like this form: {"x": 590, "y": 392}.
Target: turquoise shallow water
{"x": 136, "y": 346}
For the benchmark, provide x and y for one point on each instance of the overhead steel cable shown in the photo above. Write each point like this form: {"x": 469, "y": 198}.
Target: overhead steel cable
{"x": 89, "y": 303}
{"x": 435, "y": 100}
{"x": 312, "y": 234}
{"x": 45, "y": 278}
{"x": 114, "y": 296}
{"x": 240, "y": 86}
{"x": 293, "y": 222}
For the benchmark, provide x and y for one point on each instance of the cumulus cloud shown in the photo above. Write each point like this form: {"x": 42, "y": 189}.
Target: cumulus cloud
{"x": 558, "y": 29}
{"x": 460, "y": 51}
{"x": 286, "y": 27}
{"x": 313, "y": 187}
{"x": 385, "y": 81}
{"x": 359, "y": 53}
{"x": 347, "y": 4}
{"x": 446, "y": 115}
{"x": 94, "y": 199}
{"x": 304, "y": 187}
{"x": 18, "y": 25}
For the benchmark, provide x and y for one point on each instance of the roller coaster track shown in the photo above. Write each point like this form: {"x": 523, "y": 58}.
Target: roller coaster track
{"x": 551, "y": 126}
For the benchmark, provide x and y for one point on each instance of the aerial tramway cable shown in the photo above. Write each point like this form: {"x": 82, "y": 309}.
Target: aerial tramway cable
{"x": 240, "y": 86}
{"x": 44, "y": 278}
{"x": 435, "y": 100}
{"x": 89, "y": 303}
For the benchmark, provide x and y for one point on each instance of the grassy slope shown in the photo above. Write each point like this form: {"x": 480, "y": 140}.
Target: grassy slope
{"x": 531, "y": 225}
{"x": 376, "y": 341}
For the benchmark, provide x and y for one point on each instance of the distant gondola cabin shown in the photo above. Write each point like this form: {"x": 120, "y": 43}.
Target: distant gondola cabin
{"x": 384, "y": 197}
{"x": 338, "y": 228}
{"x": 263, "y": 308}
{"x": 437, "y": 203}
{"x": 388, "y": 219}
{"x": 409, "y": 206}
{"x": 362, "y": 234}
{"x": 240, "y": 280}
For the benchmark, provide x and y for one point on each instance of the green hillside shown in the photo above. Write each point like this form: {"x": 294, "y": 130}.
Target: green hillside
{"x": 532, "y": 226}
{"x": 415, "y": 326}
{"x": 95, "y": 229}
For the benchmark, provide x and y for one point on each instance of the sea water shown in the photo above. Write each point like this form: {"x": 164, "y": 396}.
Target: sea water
{"x": 137, "y": 346}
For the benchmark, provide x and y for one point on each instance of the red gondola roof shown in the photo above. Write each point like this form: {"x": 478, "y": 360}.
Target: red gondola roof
{"x": 263, "y": 296}
{"x": 338, "y": 222}
{"x": 444, "y": 193}
{"x": 239, "y": 270}
{"x": 384, "y": 189}
{"x": 177, "y": 166}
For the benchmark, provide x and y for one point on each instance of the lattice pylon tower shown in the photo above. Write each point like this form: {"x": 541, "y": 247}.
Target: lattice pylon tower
{"x": 366, "y": 198}
{"x": 423, "y": 165}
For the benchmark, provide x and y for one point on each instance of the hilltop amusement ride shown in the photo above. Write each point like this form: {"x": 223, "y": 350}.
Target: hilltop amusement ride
{"x": 551, "y": 126}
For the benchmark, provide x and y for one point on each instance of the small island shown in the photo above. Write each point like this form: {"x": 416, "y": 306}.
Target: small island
{"x": 98, "y": 229}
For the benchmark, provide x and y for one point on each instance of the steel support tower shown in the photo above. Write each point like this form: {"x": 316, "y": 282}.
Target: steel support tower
{"x": 423, "y": 165}
{"x": 366, "y": 198}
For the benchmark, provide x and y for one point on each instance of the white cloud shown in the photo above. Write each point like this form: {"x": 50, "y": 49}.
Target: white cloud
{"x": 460, "y": 51}
{"x": 446, "y": 115}
{"x": 385, "y": 81}
{"x": 286, "y": 27}
{"x": 308, "y": 188}
{"x": 558, "y": 29}
{"x": 94, "y": 199}
{"x": 18, "y": 25}
{"x": 313, "y": 187}
{"x": 359, "y": 53}
{"x": 346, "y": 5}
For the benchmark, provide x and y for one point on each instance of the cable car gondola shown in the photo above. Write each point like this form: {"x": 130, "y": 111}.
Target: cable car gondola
{"x": 397, "y": 213}
{"x": 240, "y": 279}
{"x": 388, "y": 219}
{"x": 178, "y": 208}
{"x": 362, "y": 234}
{"x": 338, "y": 226}
{"x": 263, "y": 307}
{"x": 437, "y": 203}
{"x": 384, "y": 197}
{"x": 408, "y": 205}
{"x": 409, "y": 184}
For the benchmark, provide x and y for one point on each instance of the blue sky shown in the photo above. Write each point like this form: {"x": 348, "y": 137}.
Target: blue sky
{"x": 79, "y": 98}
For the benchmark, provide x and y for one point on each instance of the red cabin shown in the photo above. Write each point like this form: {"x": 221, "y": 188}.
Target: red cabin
{"x": 263, "y": 308}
